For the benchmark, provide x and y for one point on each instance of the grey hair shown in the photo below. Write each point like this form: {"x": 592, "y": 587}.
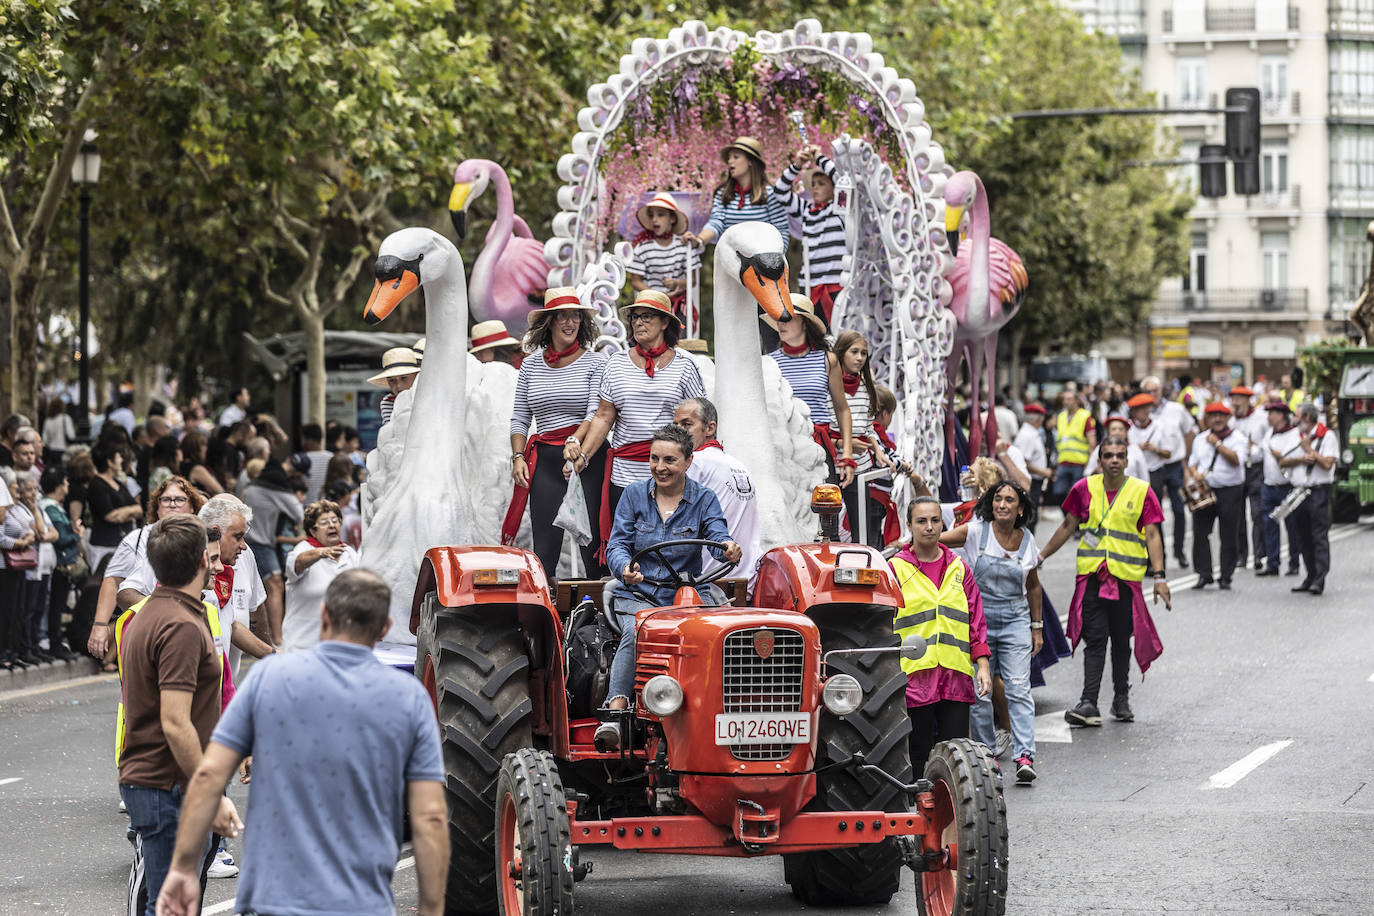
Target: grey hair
{"x": 8, "y": 475}
{"x": 1309, "y": 411}
{"x": 23, "y": 477}
{"x": 704, "y": 408}
{"x": 219, "y": 511}
{"x": 259, "y": 447}
{"x": 676, "y": 435}
{"x": 26, "y": 435}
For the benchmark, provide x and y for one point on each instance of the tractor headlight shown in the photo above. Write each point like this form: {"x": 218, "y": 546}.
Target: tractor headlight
{"x": 841, "y": 694}
{"x": 663, "y": 695}
{"x": 1347, "y": 457}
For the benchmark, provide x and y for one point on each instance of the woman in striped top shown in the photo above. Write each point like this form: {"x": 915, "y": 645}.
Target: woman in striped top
{"x": 742, "y": 195}
{"x": 862, "y": 396}
{"x": 822, "y": 228}
{"x": 814, "y": 374}
{"x": 640, "y": 388}
{"x": 558, "y": 393}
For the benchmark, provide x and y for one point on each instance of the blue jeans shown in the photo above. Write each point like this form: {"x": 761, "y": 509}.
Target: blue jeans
{"x": 154, "y": 814}
{"x": 1065, "y": 476}
{"x": 1270, "y": 497}
{"x": 622, "y": 681}
{"x": 1009, "y": 638}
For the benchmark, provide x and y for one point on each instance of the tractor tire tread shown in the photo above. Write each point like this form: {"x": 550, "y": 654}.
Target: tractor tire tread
{"x": 531, "y": 776}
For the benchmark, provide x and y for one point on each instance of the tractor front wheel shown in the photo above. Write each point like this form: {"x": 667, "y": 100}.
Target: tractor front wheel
{"x": 971, "y": 818}
{"x": 534, "y": 871}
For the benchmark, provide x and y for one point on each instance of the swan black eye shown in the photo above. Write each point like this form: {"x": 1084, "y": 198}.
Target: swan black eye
{"x": 769, "y": 264}
{"x": 390, "y": 267}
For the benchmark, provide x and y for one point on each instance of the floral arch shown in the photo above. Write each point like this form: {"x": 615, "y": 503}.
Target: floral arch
{"x": 659, "y": 123}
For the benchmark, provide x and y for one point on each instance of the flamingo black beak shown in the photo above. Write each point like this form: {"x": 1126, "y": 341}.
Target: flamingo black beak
{"x": 953, "y": 217}
{"x": 396, "y": 279}
{"x": 765, "y": 276}
{"x": 458, "y": 207}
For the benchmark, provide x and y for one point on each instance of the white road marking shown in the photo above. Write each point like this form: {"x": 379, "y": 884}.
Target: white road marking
{"x": 1371, "y": 679}
{"x": 1053, "y": 729}
{"x": 49, "y": 688}
{"x": 5, "y": 782}
{"x": 228, "y": 905}
{"x": 1245, "y": 765}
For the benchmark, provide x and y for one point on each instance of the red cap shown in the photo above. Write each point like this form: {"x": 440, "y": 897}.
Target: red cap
{"x": 1035, "y": 408}
{"x": 1141, "y": 400}
{"x": 1243, "y": 391}
{"x": 1217, "y": 407}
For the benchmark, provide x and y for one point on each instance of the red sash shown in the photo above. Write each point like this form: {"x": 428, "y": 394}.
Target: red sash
{"x": 823, "y": 436}
{"x": 823, "y": 298}
{"x": 520, "y": 496}
{"x": 630, "y": 451}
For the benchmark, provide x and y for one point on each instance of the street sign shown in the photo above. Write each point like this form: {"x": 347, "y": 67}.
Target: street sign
{"x": 1168, "y": 345}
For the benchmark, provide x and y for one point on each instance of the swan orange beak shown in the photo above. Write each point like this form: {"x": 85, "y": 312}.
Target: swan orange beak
{"x": 388, "y": 293}
{"x": 953, "y": 217}
{"x": 770, "y": 292}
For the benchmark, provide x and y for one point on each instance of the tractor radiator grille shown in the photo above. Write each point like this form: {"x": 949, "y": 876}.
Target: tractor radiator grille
{"x": 754, "y": 684}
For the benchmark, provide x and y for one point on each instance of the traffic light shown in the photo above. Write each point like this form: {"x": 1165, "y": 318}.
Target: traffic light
{"x": 1243, "y": 139}
{"x": 1212, "y": 168}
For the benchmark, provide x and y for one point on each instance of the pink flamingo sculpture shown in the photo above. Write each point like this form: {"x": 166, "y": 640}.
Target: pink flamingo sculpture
{"x": 510, "y": 274}
{"x": 989, "y": 284}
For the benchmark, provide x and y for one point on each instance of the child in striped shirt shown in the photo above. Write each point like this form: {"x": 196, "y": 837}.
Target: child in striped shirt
{"x": 743, "y": 194}
{"x": 660, "y": 257}
{"x": 822, "y": 228}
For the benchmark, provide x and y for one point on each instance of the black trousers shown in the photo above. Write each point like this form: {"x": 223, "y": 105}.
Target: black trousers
{"x": 1227, "y": 514}
{"x": 1250, "y": 542}
{"x": 1169, "y": 478}
{"x": 547, "y": 488}
{"x": 1313, "y": 525}
{"x": 11, "y": 611}
{"x": 60, "y": 587}
{"x": 939, "y": 721}
{"x": 1105, "y": 619}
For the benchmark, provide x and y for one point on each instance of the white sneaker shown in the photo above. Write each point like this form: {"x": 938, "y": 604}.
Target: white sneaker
{"x": 122, "y": 809}
{"x": 223, "y": 866}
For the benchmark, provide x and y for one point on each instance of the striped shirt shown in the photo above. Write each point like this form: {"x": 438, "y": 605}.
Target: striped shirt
{"x": 555, "y": 398}
{"x": 822, "y": 228}
{"x": 742, "y": 210}
{"x": 386, "y": 405}
{"x": 810, "y": 381}
{"x": 861, "y": 426}
{"x": 644, "y": 404}
{"x": 656, "y": 263}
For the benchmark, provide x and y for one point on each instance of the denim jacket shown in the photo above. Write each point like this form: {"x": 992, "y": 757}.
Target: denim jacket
{"x": 638, "y": 524}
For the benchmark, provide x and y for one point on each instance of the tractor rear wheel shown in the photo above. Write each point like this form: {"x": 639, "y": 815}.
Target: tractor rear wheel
{"x": 971, "y": 815}
{"x": 533, "y": 839}
{"x": 865, "y": 875}
{"x": 478, "y": 670}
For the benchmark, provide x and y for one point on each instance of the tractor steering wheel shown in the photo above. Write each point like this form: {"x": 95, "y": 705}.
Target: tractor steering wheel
{"x": 679, "y": 579}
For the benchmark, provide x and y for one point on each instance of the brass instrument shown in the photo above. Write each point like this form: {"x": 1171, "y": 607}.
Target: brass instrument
{"x": 1296, "y": 497}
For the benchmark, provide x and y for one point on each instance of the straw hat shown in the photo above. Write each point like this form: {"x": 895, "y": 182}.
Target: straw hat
{"x": 802, "y": 306}
{"x": 560, "y": 299}
{"x": 419, "y": 348}
{"x": 396, "y": 362}
{"x": 487, "y": 335}
{"x": 663, "y": 202}
{"x": 747, "y": 145}
{"x": 649, "y": 299}
{"x": 694, "y": 345}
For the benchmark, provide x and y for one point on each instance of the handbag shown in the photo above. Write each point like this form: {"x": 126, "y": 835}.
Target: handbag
{"x": 22, "y": 559}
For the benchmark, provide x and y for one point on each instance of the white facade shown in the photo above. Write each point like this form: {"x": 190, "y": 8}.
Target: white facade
{"x": 1274, "y": 271}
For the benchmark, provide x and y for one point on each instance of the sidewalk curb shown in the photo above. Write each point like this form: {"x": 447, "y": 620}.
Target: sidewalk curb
{"x": 48, "y": 673}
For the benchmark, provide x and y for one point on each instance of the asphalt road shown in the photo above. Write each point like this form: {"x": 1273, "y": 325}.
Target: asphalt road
{"x": 1243, "y": 786}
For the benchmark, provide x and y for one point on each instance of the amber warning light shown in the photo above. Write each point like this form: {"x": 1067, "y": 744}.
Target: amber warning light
{"x": 496, "y": 577}
{"x": 826, "y": 500}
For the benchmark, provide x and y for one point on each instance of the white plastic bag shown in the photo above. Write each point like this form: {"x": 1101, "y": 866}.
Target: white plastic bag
{"x": 572, "y": 514}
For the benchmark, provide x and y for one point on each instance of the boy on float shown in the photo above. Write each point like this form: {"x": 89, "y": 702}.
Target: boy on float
{"x": 822, "y": 228}
{"x": 660, "y": 258}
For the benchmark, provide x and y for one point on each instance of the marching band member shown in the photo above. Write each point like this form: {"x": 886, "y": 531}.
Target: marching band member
{"x": 1170, "y": 479}
{"x": 1218, "y": 458}
{"x": 1283, "y": 440}
{"x": 1160, "y": 442}
{"x": 1315, "y": 469}
{"x": 1255, "y": 425}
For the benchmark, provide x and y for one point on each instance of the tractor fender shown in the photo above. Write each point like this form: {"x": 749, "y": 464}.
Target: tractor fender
{"x": 800, "y": 577}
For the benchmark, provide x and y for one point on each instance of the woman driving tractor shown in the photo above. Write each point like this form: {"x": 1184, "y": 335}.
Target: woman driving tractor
{"x": 666, "y": 507}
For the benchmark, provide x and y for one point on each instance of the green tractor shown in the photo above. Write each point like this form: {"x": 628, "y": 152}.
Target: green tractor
{"x": 1351, "y": 371}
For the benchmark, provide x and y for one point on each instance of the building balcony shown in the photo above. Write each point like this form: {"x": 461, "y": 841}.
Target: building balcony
{"x": 1125, "y": 22}
{"x": 1281, "y": 106}
{"x": 1355, "y": 201}
{"x": 1350, "y": 17}
{"x": 1356, "y": 106}
{"x": 1280, "y": 202}
{"x": 1238, "y": 301}
{"x": 1233, "y": 20}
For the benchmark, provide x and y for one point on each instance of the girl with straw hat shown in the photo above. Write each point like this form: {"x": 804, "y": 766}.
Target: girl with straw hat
{"x": 556, "y": 392}
{"x": 640, "y": 389}
{"x": 492, "y": 343}
{"x": 744, "y": 194}
{"x": 660, "y": 257}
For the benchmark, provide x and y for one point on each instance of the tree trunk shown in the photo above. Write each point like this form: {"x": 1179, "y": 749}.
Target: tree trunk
{"x": 23, "y": 374}
{"x": 145, "y": 377}
{"x": 312, "y": 323}
{"x": 1018, "y": 337}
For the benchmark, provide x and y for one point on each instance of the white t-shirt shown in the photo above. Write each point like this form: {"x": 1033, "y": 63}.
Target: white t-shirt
{"x": 300, "y": 627}
{"x": 1161, "y": 434}
{"x": 1175, "y": 413}
{"x": 1255, "y": 425}
{"x": 1014, "y": 455}
{"x": 1222, "y": 473}
{"x": 729, "y": 480}
{"x": 1031, "y": 442}
{"x": 1286, "y": 444}
{"x": 231, "y": 415}
{"x": 130, "y": 558}
{"x": 1007, "y": 424}
{"x": 973, "y": 547}
{"x": 1312, "y": 475}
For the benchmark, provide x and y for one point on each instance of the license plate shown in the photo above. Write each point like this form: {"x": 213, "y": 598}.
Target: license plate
{"x": 763, "y": 728}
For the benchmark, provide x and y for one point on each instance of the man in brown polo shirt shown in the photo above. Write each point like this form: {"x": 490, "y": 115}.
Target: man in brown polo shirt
{"x": 171, "y": 692}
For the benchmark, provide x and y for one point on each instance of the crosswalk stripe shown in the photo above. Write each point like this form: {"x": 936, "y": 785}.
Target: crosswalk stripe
{"x": 1245, "y": 765}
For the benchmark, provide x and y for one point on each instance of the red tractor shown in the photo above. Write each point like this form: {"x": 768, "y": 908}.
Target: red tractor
{"x": 778, "y": 728}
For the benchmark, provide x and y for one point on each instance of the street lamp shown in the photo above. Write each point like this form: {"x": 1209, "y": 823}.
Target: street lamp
{"x": 85, "y": 172}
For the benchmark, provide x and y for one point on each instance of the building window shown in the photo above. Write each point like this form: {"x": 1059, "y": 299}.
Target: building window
{"x": 1274, "y": 82}
{"x": 1274, "y": 260}
{"x": 1192, "y": 79}
{"x": 1188, "y": 153}
{"x": 1274, "y": 166}
{"x": 1352, "y": 74}
{"x": 1349, "y": 261}
{"x": 1352, "y": 163}
{"x": 1195, "y": 280}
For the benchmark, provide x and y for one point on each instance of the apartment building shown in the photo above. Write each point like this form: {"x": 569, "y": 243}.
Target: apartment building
{"x": 1271, "y": 272}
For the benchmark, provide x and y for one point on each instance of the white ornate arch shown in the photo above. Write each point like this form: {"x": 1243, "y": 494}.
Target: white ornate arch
{"x": 894, "y": 284}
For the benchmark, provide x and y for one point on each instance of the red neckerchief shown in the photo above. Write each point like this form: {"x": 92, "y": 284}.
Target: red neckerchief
{"x": 1223, "y": 435}
{"x": 552, "y": 356}
{"x": 1318, "y": 431}
{"x": 650, "y": 356}
{"x": 798, "y": 350}
{"x": 314, "y": 543}
{"x": 742, "y": 197}
{"x": 817, "y": 208}
{"x": 1287, "y": 428}
{"x": 649, "y": 234}
{"x": 710, "y": 443}
{"x": 224, "y": 586}
{"x": 880, "y": 431}
{"x": 851, "y": 383}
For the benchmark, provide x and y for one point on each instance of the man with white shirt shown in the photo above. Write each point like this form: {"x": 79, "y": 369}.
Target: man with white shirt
{"x": 1283, "y": 441}
{"x": 1219, "y": 458}
{"x": 1030, "y": 440}
{"x": 727, "y": 478}
{"x": 1160, "y": 443}
{"x": 1172, "y": 413}
{"x": 1255, "y": 425}
{"x": 237, "y": 411}
{"x": 1314, "y": 467}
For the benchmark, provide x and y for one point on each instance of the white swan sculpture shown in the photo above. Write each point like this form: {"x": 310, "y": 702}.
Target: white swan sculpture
{"x": 424, "y": 501}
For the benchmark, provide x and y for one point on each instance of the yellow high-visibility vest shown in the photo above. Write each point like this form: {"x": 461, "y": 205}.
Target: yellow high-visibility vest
{"x": 1111, "y": 533}
{"x": 1071, "y": 437}
{"x": 1296, "y": 399}
{"x": 937, "y": 615}
{"x": 122, "y": 624}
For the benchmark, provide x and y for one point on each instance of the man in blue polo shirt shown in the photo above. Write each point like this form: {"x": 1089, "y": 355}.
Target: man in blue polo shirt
{"x": 341, "y": 745}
